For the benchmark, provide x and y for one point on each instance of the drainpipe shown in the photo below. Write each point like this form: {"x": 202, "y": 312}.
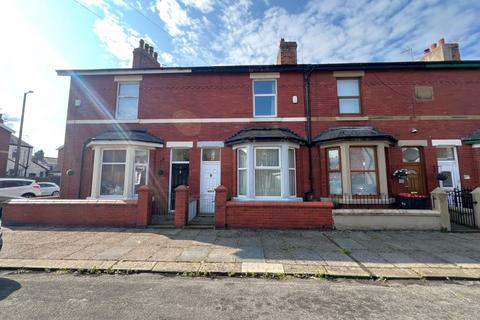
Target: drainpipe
{"x": 82, "y": 160}
{"x": 308, "y": 128}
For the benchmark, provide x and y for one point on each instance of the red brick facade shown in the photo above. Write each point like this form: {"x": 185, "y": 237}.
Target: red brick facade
{"x": 219, "y": 104}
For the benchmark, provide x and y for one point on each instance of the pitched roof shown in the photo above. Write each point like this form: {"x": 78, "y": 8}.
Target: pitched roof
{"x": 14, "y": 141}
{"x": 264, "y": 134}
{"x": 140, "y": 135}
{"x": 472, "y": 138}
{"x": 352, "y": 133}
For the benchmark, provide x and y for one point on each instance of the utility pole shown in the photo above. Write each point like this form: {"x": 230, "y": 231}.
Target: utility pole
{"x": 19, "y": 142}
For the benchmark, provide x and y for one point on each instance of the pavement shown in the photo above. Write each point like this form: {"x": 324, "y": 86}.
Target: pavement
{"x": 375, "y": 254}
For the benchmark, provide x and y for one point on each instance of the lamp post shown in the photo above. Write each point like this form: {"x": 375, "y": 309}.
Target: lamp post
{"x": 19, "y": 142}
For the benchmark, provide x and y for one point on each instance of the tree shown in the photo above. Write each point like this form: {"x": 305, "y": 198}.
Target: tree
{"x": 38, "y": 156}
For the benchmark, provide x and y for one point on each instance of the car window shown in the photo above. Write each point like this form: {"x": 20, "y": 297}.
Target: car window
{"x": 44, "y": 185}
{"x": 12, "y": 183}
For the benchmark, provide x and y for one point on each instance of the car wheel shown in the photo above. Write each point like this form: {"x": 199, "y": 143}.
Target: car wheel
{"x": 28, "y": 195}
{"x": 55, "y": 193}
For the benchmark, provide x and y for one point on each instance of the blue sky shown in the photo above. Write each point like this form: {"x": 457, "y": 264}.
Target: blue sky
{"x": 41, "y": 36}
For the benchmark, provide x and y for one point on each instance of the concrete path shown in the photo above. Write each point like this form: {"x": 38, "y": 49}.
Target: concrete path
{"x": 403, "y": 255}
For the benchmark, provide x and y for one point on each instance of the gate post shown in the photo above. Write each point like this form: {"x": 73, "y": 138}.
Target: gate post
{"x": 220, "y": 207}
{"x": 476, "y": 206}
{"x": 440, "y": 203}
{"x": 181, "y": 206}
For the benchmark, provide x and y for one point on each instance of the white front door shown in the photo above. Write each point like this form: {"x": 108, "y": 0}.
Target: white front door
{"x": 447, "y": 161}
{"x": 453, "y": 176}
{"x": 209, "y": 180}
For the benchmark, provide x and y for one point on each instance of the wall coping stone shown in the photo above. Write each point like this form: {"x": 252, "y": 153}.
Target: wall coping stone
{"x": 281, "y": 204}
{"x": 385, "y": 212}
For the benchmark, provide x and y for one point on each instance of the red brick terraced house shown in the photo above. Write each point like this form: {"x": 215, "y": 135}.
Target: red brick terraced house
{"x": 284, "y": 132}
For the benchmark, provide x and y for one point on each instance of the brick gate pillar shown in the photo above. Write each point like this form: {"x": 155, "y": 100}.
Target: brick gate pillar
{"x": 220, "y": 207}
{"x": 144, "y": 206}
{"x": 181, "y": 206}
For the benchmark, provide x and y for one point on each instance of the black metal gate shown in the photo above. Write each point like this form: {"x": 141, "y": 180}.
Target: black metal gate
{"x": 460, "y": 207}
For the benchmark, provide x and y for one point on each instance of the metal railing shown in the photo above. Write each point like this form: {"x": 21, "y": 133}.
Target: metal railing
{"x": 360, "y": 201}
{"x": 460, "y": 207}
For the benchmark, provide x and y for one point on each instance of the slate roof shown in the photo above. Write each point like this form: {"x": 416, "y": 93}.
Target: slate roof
{"x": 14, "y": 141}
{"x": 264, "y": 134}
{"x": 141, "y": 135}
{"x": 472, "y": 138}
{"x": 352, "y": 133}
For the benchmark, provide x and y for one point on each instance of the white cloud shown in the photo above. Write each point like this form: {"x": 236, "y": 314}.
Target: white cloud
{"x": 173, "y": 15}
{"x": 117, "y": 39}
{"x": 205, "y": 6}
{"x": 166, "y": 58}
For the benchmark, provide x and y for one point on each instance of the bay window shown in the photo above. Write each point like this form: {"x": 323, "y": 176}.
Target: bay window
{"x": 119, "y": 171}
{"x": 356, "y": 169}
{"x": 266, "y": 171}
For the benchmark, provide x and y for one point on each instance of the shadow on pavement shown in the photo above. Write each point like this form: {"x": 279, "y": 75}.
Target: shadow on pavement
{"x": 7, "y": 287}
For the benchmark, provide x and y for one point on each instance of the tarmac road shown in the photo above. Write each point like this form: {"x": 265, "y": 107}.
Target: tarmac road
{"x": 154, "y": 296}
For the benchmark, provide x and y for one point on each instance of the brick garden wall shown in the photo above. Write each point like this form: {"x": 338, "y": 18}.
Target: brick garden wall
{"x": 271, "y": 214}
{"x": 79, "y": 212}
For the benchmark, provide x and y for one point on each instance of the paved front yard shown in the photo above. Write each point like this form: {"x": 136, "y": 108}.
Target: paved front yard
{"x": 361, "y": 254}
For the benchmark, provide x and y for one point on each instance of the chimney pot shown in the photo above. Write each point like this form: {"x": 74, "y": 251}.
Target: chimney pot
{"x": 433, "y": 46}
{"x": 141, "y": 43}
{"x": 441, "y": 42}
{"x": 146, "y": 46}
{"x": 426, "y": 50}
{"x": 150, "y": 50}
{"x": 155, "y": 55}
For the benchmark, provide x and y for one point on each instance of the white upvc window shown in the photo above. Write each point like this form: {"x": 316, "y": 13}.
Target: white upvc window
{"x": 292, "y": 174}
{"x": 266, "y": 171}
{"x": 119, "y": 171}
{"x": 242, "y": 172}
{"x": 264, "y": 98}
{"x": 127, "y": 100}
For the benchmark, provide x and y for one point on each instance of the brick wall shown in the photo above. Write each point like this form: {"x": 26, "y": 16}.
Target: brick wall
{"x": 271, "y": 214}
{"x": 4, "y": 146}
{"x": 79, "y": 212}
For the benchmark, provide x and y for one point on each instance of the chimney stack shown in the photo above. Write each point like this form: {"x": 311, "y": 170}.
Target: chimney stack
{"x": 144, "y": 56}
{"x": 287, "y": 52}
{"x": 442, "y": 51}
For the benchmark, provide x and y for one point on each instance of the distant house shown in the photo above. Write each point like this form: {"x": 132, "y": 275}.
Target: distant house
{"x": 27, "y": 167}
{"x": 5, "y": 133}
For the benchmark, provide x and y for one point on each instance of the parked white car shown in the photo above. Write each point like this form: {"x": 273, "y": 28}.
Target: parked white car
{"x": 49, "y": 189}
{"x": 15, "y": 187}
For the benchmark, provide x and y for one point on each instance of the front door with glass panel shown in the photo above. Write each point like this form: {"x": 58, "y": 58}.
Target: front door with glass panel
{"x": 447, "y": 163}
{"x": 413, "y": 161}
{"x": 179, "y": 172}
{"x": 209, "y": 180}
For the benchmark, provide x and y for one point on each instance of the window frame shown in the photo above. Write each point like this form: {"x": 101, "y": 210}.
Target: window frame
{"x": 377, "y": 181}
{"x": 294, "y": 169}
{"x": 359, "y": 97}
{"x": 330, "y": 170}
{"x": 275, "y": 95}
{"x": 244, "y": 169}
{"x": 144, "y": 164}
{"x": 118, "y": 97}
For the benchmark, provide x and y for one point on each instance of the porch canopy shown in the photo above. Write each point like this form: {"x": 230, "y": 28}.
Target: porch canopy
{"x": 127, "y": 136}
{"x": 352, "y": 134}
{"x": 473, "y": 138}
{"x": 265, "y": 134}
